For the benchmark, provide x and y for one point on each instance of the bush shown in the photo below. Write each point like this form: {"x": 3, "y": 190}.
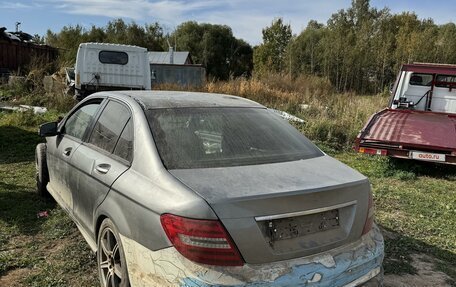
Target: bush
{"x": 26, "y": 119}
{"x": 32, "y": 91}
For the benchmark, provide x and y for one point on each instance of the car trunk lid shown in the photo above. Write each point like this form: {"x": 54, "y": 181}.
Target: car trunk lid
{"x": 284, "y": 210}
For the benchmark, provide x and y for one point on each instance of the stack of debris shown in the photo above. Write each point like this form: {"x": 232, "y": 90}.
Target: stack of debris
{"x": 15, "y": 36}
{"x": 55, "y": 83}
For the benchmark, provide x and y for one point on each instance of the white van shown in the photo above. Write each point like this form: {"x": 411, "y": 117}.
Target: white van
{"x": 101, "y": 67}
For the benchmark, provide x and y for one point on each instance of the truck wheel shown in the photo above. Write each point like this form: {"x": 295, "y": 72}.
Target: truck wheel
{"x": 42, "y": 173}
{"x": 78, "y": 95}
{"x": 112, "y": 266}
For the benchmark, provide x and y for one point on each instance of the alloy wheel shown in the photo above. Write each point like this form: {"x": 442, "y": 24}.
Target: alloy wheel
{"x": 110, "y": 263}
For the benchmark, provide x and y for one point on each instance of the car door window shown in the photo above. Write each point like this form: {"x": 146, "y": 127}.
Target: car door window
{"x": 109, "y": 126}
{"x": 78, "y": 122}
{"x": 124, "y": 147}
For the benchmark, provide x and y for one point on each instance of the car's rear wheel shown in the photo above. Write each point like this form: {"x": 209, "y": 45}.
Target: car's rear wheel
{"x": 42, "y": 173}
{"x": 112, "y": 266}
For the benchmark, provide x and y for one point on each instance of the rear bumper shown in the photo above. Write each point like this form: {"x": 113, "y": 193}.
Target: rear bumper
{"x": 375, "y": 281}
{"x": 401, "y": 152}
{"x": 350, "y": 265}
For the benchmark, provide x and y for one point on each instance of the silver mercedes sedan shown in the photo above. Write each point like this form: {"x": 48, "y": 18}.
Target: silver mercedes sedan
{"x": 197, "y": 189}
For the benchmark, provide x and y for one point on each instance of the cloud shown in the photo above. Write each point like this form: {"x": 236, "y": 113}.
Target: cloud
{"x": 135, "y": 9}
{"x": 246, "y": 18}
{"x": 14, "y": 5}
{"x": 107, "y": 8}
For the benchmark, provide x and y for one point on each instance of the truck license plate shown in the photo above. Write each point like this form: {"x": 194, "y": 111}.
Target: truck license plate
{"x": 427, "y": 156}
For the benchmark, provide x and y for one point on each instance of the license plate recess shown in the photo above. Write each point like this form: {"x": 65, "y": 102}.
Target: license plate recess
{"x": 292, "y": 227}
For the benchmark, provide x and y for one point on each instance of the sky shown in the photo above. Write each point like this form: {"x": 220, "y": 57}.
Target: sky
{"x": 246, "y": 18}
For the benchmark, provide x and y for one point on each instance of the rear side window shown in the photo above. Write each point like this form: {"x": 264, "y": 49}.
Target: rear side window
{"x": 113, "y": 57}
{"x": 78, "y": 122}
{"x": 445, "y": 81}
{"x": 124, "y": 147}
{"x": 109, "y": 126}
{"x": 421, "y": 79}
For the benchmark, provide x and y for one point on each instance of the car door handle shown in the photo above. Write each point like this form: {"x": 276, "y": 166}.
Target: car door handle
{"x": 67, "y": 151}
{"x": 103, "y": 168}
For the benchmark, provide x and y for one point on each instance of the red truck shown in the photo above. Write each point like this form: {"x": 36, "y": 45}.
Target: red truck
{"x": 420, "y": 121}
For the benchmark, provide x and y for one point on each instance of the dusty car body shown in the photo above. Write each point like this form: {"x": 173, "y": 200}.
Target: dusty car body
{"x": 420, "y": 122}
{"x": 195, "y": 189}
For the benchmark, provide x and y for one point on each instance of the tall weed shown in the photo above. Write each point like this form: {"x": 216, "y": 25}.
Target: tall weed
{"x": 330, "y": 118}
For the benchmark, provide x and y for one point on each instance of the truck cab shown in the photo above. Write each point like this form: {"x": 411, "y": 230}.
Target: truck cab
{"x": 424, "y": 87}
{"x": 105, "y": 67}
{"x": 420, "y": 121}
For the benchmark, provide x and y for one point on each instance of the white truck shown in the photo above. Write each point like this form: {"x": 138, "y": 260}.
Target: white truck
{"x": 102, "y": 67}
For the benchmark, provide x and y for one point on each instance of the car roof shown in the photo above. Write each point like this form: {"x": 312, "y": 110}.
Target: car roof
{"x": 178, "y": 99}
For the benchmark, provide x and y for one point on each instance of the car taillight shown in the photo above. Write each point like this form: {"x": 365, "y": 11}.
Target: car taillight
{"x": 202, "y": 241}
{"x": 373, "y": 151}
{"x": 370, "y": 215}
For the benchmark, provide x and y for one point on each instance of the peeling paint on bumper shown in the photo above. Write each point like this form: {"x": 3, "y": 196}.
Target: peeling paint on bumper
{"x": 349, "y": 265}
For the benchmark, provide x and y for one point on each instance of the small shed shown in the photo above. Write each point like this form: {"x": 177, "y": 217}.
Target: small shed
{"x": 170, "y": 57}
{"x": 175, "y": 68}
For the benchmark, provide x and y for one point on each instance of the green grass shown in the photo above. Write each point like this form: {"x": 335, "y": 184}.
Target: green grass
{"x": 49, "y": 249}
{"x": 415, "y": 206}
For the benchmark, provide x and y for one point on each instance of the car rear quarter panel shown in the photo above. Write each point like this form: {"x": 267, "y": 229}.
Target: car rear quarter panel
{"x": 136, "y": 202}
{"x": 147, "y": 190}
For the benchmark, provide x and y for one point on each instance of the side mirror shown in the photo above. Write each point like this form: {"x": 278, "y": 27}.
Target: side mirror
{"x": 48, "y": 129}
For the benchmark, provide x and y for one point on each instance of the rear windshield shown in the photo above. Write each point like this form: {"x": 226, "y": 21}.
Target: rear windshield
{"x": 221, "y": 137}
{"x": 113, "y": 57}
{"x": 421, "y": 79}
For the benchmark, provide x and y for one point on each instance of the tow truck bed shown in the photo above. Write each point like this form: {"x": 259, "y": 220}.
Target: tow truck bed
{"x": 410, "y": 134}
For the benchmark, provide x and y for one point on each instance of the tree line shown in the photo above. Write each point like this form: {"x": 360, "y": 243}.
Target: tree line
{"x": 359, "y": 48}
{"x": 213, "y": 46}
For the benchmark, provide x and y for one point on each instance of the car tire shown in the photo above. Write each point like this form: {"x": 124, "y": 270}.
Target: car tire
{"x": 112, "y": 267}
{"x": 42, "y": 173}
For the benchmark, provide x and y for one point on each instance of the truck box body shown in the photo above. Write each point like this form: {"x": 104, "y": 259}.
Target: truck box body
{"x": 420, "y": 122}
{"x": 101, "y": 66}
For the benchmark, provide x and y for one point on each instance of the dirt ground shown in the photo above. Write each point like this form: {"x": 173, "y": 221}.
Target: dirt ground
{"x": 13, "y": 277}
{"x": 426, "y": 275}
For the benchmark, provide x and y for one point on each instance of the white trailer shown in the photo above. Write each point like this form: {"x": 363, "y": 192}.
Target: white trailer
{"x": 102, "y": 67}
